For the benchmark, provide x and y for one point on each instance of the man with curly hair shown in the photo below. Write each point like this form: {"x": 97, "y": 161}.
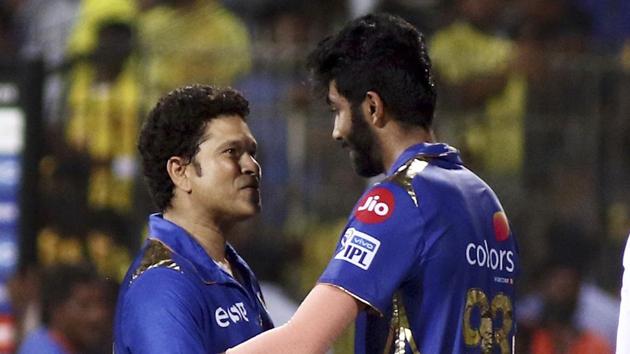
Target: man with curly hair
{"x": 188, "y": 291}
{"x": 427, "y": 261}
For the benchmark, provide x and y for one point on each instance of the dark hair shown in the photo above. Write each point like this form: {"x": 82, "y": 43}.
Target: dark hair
{"x": 58, "y": 283}
{"x": 174, "y": 128}
{"x": 380, "y": 53}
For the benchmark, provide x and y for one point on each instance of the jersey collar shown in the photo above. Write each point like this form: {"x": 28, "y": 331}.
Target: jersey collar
{"x": 183, "y": 244}
{"x": 439, "y": 151}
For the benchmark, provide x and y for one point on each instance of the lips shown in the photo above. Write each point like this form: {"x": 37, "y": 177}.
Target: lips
{"x": 252, "y": 183}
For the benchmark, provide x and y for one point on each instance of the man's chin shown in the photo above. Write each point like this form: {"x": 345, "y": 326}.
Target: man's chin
{"x": 365, "y": 170}
{"x": 248, "y": 213}
{"x": 254, "y": 209}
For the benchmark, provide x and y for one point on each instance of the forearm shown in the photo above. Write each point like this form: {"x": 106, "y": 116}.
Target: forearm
{"x": 321, "y": 318}
{"x": 284, "y": 339}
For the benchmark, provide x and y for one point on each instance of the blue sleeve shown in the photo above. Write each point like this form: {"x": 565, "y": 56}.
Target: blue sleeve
{"x": 379, "y": 246}
{"x": 162, "y": 314}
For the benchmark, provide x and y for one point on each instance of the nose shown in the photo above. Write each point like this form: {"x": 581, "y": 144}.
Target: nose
{"x": 250, "y": 165}
{"x": 336, "y": 133}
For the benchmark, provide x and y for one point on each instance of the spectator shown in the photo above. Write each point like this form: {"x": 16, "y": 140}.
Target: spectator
{"x": 190, "y": 41}
{"x": 76, "y": 311}
{"x": 558, "y": 333}
{"x": 91, "y": 14}
{"x": 474, "y": 60}
{"x": 23, "y": 290}
{"x": 566, "y": 302}
{"x": 103, "y": 114}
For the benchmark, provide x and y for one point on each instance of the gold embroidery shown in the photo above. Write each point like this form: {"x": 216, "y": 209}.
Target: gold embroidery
{"x": 502, "y": 303}
{"x": 155, "y": 255}
{"x": 405, "y": 174}
{"x": 486, "y": 336}
{"x": 400, "y": 333}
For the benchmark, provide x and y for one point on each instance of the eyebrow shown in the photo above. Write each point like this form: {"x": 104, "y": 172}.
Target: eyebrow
{"x": 239, "y": 142}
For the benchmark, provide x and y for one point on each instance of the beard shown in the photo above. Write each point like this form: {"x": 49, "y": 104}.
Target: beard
{"x": 364, "y": 150}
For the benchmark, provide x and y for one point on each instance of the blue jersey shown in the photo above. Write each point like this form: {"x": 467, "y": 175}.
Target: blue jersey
{"x": 176, "y": 299}
{"x": 41, "y": 341}
{"x": 430, "y": 251}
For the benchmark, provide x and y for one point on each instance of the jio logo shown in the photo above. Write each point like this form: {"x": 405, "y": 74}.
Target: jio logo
{"x": 377, "y": 206}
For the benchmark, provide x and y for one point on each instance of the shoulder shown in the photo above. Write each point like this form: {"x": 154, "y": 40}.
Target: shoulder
{"x": 154, "y": 255}
{"x": 161, "y": 286}
{"x": 38, "y": 341}
{"x": 162, "y": 311}
{"x": 160, "y": 300}
{"x": 396, "y": 189}
{"x": 404, "y": 178}
{"x": 163, "y": 274}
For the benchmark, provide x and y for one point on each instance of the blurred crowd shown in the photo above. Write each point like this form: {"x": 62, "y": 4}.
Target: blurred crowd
{"x": 533, "y": 92}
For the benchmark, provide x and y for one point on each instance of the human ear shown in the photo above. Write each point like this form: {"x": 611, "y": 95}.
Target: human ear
{"x": 177, "y": 168}
{"x": 374, "y": 105}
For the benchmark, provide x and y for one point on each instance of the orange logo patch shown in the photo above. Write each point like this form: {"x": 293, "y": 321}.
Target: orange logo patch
{"x": 501, "y": 226}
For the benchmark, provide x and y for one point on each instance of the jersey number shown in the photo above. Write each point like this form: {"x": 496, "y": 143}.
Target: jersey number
{"x": 484, "y": 334}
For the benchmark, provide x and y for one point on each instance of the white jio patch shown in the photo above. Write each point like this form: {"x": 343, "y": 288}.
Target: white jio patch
{"x": 358, "y": 248}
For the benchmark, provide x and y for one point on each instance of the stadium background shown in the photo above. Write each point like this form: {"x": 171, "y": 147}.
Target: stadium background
{"x": 534, "y": 94}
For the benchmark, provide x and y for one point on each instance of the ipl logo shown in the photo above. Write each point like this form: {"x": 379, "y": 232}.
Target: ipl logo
{"x": 358, "y": 248}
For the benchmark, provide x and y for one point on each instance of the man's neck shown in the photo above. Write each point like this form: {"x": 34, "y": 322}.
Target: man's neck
{"x": 209, "y": 234}
{"x": 397, "y": 140}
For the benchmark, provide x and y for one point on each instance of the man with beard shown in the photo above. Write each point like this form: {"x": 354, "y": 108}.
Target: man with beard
{"x": 427, "y": 261}
{"x": 188, "y": 291}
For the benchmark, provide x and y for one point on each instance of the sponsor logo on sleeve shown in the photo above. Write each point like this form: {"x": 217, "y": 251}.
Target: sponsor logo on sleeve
{"x": 376, "y": 206}
{"x": 358, "y": 248}
{"x": 501, "y": 226}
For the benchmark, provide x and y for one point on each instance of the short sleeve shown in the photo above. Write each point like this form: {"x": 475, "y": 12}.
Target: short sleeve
{"x": 379, "y": 246}
{"x": 161, "y": 314}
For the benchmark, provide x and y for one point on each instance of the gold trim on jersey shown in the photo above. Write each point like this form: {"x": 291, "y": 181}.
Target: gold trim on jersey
{"x": 155, "y": 255}
{"x": 400, "y": 333}
{"x": 405, "y": 174}
{"x": 356, "y": 297}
